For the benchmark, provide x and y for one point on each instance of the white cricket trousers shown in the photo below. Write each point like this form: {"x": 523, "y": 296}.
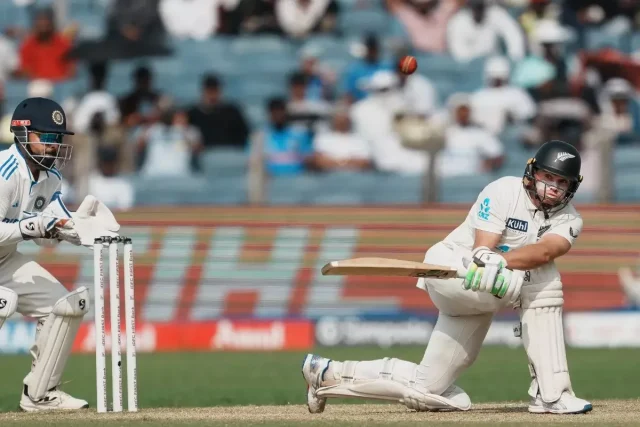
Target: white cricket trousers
{"x": 37, "y": 289}
{"x": 463, "y": 322}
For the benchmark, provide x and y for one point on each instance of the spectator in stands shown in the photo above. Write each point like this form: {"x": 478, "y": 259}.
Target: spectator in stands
{"x": 96, "y": 100}
{"x": 360, "y": 71}
{"x": 287, "y": 149}
{"x": 538, "y": 10}
{"x": 221, "y": 123}
{"x": 469, "y": 149}
{"x": 258, "y": 17}
{"x": 621, "y": 111}
{"x": 500, "y": 103}
{"x": 299, "y": 18}
{"x": 42, "y": 54}
{"x": 86, "y": 144}
{"x": 192, "y": 19}
{"x": 340, "y": 149}
{"x": 134, "y": 22}
{"x": 424, "y": 21}
{"x": 9, "y": 60}
{"x": 374, "y": 120}
{"x": 106, "y": 184}
{"x": 170, "y": 147}
{"x": 312, "y": 115}
{"x": 615, "y": 17}
{"x": 140, "y": 105}
{"x": 561, "y": 114}
{"x": 475, "y": 31}
{"x": 419, "y": 93}
{"x": 320, "y": 80}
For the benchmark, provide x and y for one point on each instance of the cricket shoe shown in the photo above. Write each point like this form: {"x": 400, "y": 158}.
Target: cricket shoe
{"x": 313, "y": 368}
{"x": 55, "y": 400}
{"x": 567, "y": 404}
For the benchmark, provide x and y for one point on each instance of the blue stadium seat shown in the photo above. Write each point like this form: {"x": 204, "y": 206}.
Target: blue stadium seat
{"x": 190, "y": 190}
{"x": 343, "y": 188}
{"x": 361, "y": 21}
{"x": 463, "y": 189}
{"x": 223, "y": 162}
{"x": 395, "y": 189}
{"x": 596, "y": 38}
{"x": 292, "y": 190}
{"x": 627, "y": 158}
{"x": 626, "y": 185}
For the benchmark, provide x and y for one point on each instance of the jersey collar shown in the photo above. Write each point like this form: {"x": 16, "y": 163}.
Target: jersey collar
{"x": 23, "y": 168}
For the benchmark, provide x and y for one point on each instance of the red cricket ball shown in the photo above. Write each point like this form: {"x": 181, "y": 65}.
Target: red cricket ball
{"x": 408, "y": 64}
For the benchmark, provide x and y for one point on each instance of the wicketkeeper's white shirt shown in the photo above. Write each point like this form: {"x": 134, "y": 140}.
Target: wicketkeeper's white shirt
{"x": 504, "y": 207}
{"x": 20, "y": 193}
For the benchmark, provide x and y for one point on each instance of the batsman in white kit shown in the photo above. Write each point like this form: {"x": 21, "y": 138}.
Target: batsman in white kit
{"x": 505, "y": 251}
{"x": 31, "y": 208}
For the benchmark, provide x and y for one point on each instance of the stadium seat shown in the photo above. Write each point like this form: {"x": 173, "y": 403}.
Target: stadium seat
{"x": 223, "y": 162}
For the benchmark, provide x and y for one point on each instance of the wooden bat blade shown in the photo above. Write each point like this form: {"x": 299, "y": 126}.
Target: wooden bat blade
{"x": 387, "y": 267}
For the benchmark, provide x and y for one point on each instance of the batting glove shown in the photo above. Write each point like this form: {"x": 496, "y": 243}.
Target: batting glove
{"x": 483, "y": 269}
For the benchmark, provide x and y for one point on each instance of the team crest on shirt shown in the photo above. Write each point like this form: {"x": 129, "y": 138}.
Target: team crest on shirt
{"x": 543, "y": 230}
{"x": 57, "y": 117}
{"x": 518, "y": 225}
{"x": 39, "y": 203}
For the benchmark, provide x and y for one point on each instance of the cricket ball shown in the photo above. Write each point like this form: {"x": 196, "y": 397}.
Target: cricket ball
{"x": 408, "y": 64}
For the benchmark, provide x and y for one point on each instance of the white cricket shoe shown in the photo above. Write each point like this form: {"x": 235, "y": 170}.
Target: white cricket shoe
{"x": 567, "y": 404}
{"x": 55, "y": 399}
{"x": 313, "y": 367}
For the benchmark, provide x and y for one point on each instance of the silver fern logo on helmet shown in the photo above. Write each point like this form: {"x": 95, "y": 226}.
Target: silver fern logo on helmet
{"x": 564, "y": 156}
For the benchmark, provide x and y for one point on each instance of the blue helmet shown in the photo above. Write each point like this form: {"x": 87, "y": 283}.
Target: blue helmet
{"x": 46, "y": 119}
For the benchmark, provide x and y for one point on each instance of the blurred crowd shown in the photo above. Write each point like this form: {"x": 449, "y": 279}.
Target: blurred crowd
{"x": 540, "y": 82}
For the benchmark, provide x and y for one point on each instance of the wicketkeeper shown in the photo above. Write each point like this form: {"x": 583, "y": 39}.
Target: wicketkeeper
{"x": 508, "y": 243}
{"x": 31, "y": 208}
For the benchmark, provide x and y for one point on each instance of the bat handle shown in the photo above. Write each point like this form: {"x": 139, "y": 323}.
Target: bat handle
{"x": 462, "y": 273}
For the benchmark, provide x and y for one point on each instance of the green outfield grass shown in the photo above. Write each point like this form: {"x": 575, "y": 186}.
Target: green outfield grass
{"x": 212, "y": 379}
{"x": 197, "y": 380}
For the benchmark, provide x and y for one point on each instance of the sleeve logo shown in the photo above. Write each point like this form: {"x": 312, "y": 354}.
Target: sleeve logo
{"x": 485, "y": 209}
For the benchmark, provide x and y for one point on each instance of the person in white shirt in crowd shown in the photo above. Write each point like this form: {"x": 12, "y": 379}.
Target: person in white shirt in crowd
{"x": 298, "y": 18}
{"x": 104, "y": 183}
{"x": 170, "y": 147}
{"x": 500, "y": 103}
{"x": 97, "y": 100}
{"x": 313, "y": 114}
{"x": 193, "y": 19}
{"x": 339, "y": 149}
{"x": 620, "y": 110}
{"x": 419, "y": 93}
{"x": 9, "y": 60}
{"x": 373, "y": 120}
{"x": 469, "y": 149}
{"x": 475, "y": 31}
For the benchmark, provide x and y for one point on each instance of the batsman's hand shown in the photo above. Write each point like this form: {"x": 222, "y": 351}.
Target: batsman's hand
{"x": 39, "y": 226}
{"x": 487, "y": 272}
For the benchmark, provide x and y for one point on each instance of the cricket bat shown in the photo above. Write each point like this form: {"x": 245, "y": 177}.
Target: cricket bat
{"x": 387, "y": 267}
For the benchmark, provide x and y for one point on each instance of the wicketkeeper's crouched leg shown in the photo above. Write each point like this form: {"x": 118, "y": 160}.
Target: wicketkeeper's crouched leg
{"x": 454, "y": 345}
{"x": 59, "y": 314}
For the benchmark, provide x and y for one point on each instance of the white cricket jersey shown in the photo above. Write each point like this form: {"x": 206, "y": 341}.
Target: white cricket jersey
{"x": 20, "y": 193}
{"x": 504, "y": 207}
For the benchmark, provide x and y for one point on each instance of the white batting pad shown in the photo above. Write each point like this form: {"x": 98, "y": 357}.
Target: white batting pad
{"x": 54, "y": 342}
{"x": 543, "y": 338}
{"x": 392, "y": 380}
{"x": 8, "y": 304}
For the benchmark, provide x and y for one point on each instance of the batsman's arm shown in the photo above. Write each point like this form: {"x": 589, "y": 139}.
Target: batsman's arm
{"x": 538, "y": 254}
